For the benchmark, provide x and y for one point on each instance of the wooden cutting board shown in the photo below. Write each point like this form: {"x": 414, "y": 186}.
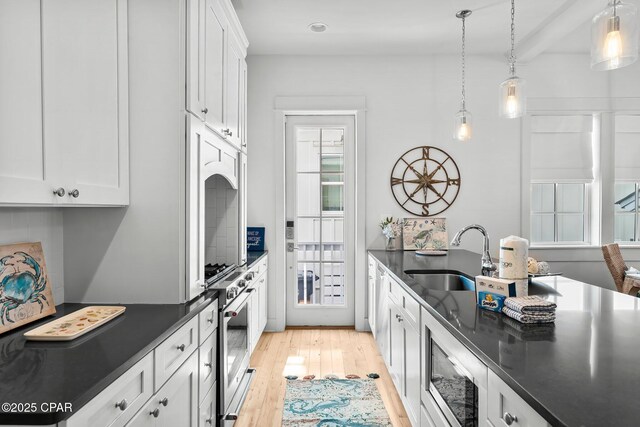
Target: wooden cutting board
{"x": 75, "y": 324}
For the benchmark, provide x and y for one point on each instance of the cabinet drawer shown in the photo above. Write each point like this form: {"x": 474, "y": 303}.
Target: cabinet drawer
{"x": 502, "y": 401}
{"x": 208, "y": 409}
{"x": 261, "y": 266}
{"x": 207, "y": 367}
{"x": 174, "y": 351}
{"x": 409, "y": 307}
{"x": 130, "y": 392}
{"x": 208, "y": 319}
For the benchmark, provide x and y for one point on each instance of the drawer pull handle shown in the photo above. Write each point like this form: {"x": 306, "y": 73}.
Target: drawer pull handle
{"x": 509, "y": 419}
{"x": 164, "y": 402}
{"x": 122, "y": 405}
{"x": 208, "y": 365}
{"x": 155, "y": 413}
{"x": 210, "y": 320}
{"x": 181, "y": 347}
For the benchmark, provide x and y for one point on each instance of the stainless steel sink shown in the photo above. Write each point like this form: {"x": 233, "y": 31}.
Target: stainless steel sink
{"x": 442, "y": 281}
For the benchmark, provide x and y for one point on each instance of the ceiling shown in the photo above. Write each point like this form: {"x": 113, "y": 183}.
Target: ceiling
{"x": 401, "y": 27}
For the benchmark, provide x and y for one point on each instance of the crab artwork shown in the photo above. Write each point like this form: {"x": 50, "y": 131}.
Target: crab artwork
{"x": 25, "y": 293}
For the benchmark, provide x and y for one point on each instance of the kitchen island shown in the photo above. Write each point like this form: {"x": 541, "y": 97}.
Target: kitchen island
{"x": 577, "y": 372}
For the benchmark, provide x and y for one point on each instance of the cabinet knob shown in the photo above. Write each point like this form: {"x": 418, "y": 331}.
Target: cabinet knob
{"x": 181, "y": 347}
{"x": 209, "y": 420}
{"x": 202, "y": 284}
{"x": 509, "y": 419}
{"x": 227, "y": 132}
{"x": 400, "y": 319}
{"x": 74, "y": 193}
{"x": 205, "y": 110}
{"x": 164, "y": 402}
{"x": 59, "y": 192}
{"x": 210, "y": 320}
{"x": 208, "y": 365}
{"x": 122, "y": 405}
{"x": 155, "y": 413}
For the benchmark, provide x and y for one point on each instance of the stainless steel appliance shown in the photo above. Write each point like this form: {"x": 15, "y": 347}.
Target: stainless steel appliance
{"x": 234, "y": 332}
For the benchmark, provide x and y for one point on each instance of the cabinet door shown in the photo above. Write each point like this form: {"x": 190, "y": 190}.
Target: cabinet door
{"x": 396, "y": 346}
{"x": 254, "y": 316}
{"x": 371, "y": 296}
{"x": 147, "y": 416}
{"x": 242, "y": 207}
{"x": 215, "y": 41}
{"x": 195, "y": 280}
{"x": 181, "y": 396}
{"x": 383, "y": 316}
{"x": 196, "y": 10}
{"x": 411, "y": 373}
{"x": 263, "y": 302}
{"x": 86, "y": 99}
{"x": 234, "y": 92}
{"x": 22, "y": 163}
{"x": 243, "y": 106}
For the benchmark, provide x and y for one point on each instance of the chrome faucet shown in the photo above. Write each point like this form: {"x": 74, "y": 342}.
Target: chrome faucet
{"x": 488, "y": 267}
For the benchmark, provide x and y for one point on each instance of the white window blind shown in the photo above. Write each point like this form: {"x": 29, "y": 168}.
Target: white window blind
{"x": 627, "y": 148}
{"x": 562, "y": 148}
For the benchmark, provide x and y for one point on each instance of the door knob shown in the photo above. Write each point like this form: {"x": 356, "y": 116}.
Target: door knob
{"x": 74, "y": 193}
{"x": 122, "y": 405}
{"x": 155, "y": 413}
{"x": 59, "y": 192}
{"x": 509, "y": 419}
{"x": 164, "y": 402}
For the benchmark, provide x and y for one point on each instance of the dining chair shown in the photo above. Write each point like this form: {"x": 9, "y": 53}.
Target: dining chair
{"x": 618, "y": 268}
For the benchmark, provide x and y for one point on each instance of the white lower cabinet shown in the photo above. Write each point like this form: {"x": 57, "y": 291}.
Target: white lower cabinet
{"x": 371, "y": 295}
{"x": 120, "y": 400}
{"x": 176, "y": 403}
{"x": 258, "y": 307}
{"x": 506, "y": 408}
{"x": 208, "y": 413}
{"x": 404, "y": 361}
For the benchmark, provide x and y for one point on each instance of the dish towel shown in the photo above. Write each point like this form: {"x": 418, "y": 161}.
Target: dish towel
{"x": 530, "y": 309}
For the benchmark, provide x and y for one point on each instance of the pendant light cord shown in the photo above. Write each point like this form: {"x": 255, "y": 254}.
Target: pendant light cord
{"x": 464, "y": 30}
{"x": 512, "y": 59}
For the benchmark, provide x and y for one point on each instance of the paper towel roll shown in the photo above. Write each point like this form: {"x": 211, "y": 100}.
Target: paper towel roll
{"x": 514, "y": 252}
{"x": 522, "y": 287}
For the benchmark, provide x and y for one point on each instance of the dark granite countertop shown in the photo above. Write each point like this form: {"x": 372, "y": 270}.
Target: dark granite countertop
{"x": 580, "y": 372}
{"x": 76, "y": 371}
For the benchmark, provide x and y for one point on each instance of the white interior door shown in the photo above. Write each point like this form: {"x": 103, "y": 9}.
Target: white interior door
{"x": 320, "y": 207}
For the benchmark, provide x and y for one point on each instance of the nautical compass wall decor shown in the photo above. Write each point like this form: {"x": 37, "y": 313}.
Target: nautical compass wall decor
{"x": 425, "y": 181}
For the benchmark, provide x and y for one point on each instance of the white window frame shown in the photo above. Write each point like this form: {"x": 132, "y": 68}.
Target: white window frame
{"x": 586, "y": 213}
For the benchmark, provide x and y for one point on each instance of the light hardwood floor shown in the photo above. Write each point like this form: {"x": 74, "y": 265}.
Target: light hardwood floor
{"x": 313, "y": 351}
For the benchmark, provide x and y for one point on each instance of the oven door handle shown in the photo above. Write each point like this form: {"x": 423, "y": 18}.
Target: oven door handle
{"x": 460, "y": 369}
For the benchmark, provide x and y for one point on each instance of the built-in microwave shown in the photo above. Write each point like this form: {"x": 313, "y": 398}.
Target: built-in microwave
{"x": 454, "y": 380}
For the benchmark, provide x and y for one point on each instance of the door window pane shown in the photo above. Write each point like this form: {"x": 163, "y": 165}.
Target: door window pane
{"x": 308, "y": 194}
{"x": 333, "y": 198}
{"x": 308, "y": 282}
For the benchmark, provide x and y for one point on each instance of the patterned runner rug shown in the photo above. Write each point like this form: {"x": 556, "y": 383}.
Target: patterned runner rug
{"x": 334, "y": 403}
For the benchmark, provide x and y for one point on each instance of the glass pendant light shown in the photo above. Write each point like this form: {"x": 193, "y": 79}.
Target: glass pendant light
{"x": 614, "y": 36}
{"x": 462, "y": 129}
{"x": 513, "y": 99}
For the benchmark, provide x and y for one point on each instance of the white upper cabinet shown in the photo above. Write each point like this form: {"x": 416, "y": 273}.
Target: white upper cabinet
{"x": 22, "y": 163}
{"x": 216, "y": 75}
{"x": 234, "y": 91}
{"x": 64, "y": 109}
{"x": 215, "y": 42}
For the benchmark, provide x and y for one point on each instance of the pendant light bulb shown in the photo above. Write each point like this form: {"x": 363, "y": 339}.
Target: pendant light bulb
{"x": 513, "y": 99}
{"x": 462, "y": 130}
{"x": 614, "y": 36}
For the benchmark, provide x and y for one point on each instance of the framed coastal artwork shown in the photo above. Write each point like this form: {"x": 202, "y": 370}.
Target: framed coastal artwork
{"x": 425, "y": 234}
{"x": 25, "y": 290}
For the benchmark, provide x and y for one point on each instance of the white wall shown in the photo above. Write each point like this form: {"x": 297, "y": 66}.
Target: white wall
{"x": 410, "y": 102}
{"x": 38, "y": 225}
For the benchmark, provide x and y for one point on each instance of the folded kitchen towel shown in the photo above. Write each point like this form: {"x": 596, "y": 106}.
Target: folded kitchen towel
{"x": 530, "y": 305}
{"x": 536, "y": 317}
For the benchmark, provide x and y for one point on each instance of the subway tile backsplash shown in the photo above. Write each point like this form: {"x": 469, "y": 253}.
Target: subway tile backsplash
{"x": 221, "y": 221}
{"x": 38, "y": 225}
